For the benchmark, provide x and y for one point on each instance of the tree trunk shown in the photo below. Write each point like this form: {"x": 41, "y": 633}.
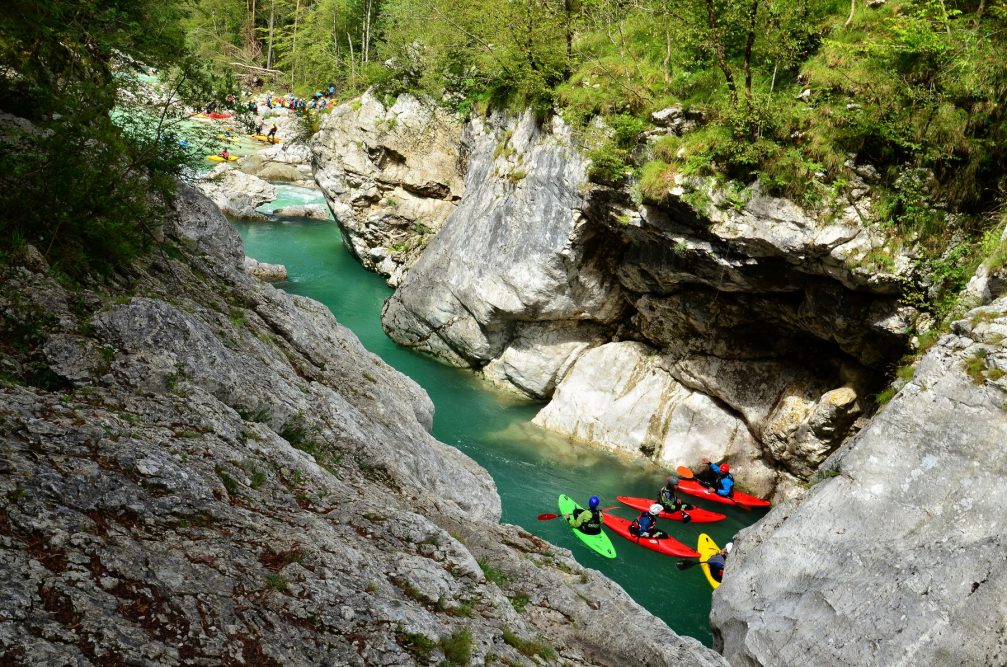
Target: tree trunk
{"x": 849, "y": 19}
{"x": 353, "y": 65}
{"x": 752, "y": 17}
{"x": 667, "y": 49}
{"x": 718, "y": 49}
{"x": 293, "y": 46}
{"x": 269, "y": 49}
{"x": 568, "y": 9}
{"x": 366, "y": 47}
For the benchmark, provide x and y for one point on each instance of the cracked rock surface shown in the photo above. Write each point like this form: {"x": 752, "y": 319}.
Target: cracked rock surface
{"x": 199, "y": 469}
{"x": 897, "y": 556}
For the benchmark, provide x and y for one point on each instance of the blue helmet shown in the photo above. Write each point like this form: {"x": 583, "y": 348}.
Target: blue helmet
{"x": 594, "y": 502}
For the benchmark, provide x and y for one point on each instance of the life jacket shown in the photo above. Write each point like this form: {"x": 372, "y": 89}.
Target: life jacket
{"x": 716, "y": 564}
{"x": 593, "y": 525}
{"x": 727, "y": 487}
{"x": 644, "y": 523}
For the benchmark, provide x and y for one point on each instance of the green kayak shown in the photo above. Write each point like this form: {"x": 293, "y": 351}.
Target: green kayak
{"x": 599, "y": 542}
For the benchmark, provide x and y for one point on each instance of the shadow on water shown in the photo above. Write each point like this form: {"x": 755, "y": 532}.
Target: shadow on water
{"x": 531, "y": 467}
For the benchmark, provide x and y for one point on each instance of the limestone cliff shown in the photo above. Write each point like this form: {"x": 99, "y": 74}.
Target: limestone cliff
{"x": 761, "y": 328}
{"x": 896, "y": 555}
{"x": 391, "y": 174}
{"x": 200, "y": 469}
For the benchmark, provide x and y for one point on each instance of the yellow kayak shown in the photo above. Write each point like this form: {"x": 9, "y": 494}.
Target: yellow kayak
{"x": 707, "y": 548}
{"x": 262, "y": 137}
{"x": 224, "y": 137}
{"x": 217, "y": 158}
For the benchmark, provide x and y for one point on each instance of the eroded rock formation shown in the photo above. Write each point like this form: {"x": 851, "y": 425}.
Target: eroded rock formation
{"x": 773, "y": 320}
{"x": 392, "y": 176}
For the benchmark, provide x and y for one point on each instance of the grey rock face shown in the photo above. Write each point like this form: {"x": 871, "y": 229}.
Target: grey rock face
{"x": 898, "y": 558}
{"x": 236, "y": 193}
{"x": 199, "y": 469}
{"x": 265, "y": 271}
{"x": 392, "y": 176}
{"x": 514, "y": 262}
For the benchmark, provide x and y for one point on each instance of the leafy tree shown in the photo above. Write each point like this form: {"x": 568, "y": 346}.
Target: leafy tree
{"x": 87, "y": 180}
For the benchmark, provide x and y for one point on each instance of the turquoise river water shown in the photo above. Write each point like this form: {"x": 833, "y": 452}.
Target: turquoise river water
{"x": 531, "y": 468}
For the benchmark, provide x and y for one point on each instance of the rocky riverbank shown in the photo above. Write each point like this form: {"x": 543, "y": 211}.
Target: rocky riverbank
{"x": 198, "y": 468}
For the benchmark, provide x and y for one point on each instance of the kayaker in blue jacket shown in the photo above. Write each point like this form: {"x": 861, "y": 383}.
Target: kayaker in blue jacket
{"x": 718, "y": 560}
{"x": 723, "y": 482}
{"x": 645, "y": 525}
{"x": 588, "y": 521}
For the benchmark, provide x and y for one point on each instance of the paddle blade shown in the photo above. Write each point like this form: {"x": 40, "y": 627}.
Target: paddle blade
{"x": 684, "y": 472}
{"x": 686, "y": 564}
{"x": 547, "y": 516}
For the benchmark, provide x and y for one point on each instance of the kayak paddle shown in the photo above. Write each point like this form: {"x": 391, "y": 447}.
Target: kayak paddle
{"x": 684, "y": 472}
{"x": 549, "y": 516}
{"x": 686, "y": 564}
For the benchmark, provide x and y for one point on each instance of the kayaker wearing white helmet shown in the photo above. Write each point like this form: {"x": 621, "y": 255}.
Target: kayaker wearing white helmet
{"x": 645, "y": 525}
{"x": 718, "y": 561}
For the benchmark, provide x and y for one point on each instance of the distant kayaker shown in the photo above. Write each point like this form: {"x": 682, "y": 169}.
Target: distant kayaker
{"x": 670, "y": 500}
{"x": 224, "y": 154}
{"x": 272, "y": 134}
{"x": 722, "y": 479}
{"x": 258, "y": 128}
{"x": 645, "y": 525}
{"x": 717, "y": 562}
{"x": 588, "y": 521}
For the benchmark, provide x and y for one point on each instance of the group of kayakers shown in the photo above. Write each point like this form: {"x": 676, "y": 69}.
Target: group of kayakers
{"x": 713, "y": 478}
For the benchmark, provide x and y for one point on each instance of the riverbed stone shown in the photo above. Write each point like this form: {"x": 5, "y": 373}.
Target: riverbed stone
{"x": 236, "y": 193}
{"x": 265, "y": 271}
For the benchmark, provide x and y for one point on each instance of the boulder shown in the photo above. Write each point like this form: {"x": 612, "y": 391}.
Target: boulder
{"x": 309, "y": 211}
{"x": 236, "y": 193}
{"x": 623, "y": 396}
{"x": 265, "y": 271}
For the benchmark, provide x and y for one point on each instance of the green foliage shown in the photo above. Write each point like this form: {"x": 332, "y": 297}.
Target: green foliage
{"x": 458, "y": 647}
{"x": 885, "y": 395}
{"x": 417, "y": 645}
{"x": 529, "y": 647}
{"x": 492, "y": 574}
{"x": 277, "y": 582}
{"x": 975, "y": 366}
{"x": 87, "y": 186}
{"x": 519, "y": 602}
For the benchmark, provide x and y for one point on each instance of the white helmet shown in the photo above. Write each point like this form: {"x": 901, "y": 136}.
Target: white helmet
{"x": 656, "y": 508}
{"x": 729, "y": 547}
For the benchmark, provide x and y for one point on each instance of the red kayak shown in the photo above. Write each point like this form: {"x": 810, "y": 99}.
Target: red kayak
{"x": 668, "y": 546}
{"x": 698, "y": 515}
{"x": 694, "y": 488}
{"x": 218, "y": 116}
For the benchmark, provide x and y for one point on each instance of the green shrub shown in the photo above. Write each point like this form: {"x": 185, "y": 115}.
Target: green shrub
{"x": 458, "y": 647}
